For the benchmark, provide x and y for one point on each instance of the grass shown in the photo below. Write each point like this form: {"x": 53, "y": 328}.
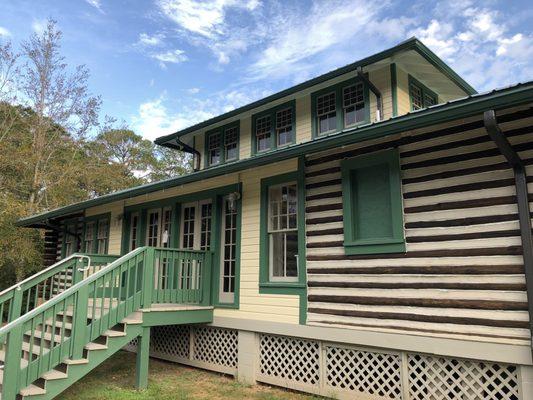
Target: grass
{"x": 115, "y": 380}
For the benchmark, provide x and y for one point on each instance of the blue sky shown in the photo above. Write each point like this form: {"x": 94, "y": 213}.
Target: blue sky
{"x": 162, "y": 65}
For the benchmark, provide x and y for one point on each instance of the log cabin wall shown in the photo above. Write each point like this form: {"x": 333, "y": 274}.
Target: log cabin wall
{"x": 462, "y": 275}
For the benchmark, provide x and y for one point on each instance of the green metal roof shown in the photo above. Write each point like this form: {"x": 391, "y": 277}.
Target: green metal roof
{"x": 410, "y": 44}
{"x": 460, "y": 108}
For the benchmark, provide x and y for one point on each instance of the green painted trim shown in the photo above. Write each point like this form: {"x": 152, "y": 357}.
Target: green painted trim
{"x": 221, "y": 130}
{"x": 410, "y": 44}
{"x": 353, "y": 245}
{"x": 424, "y": 90}
{"x": 337, "y": 88}
{"x": 394, "y": 89}
{"x": 216, "y": 247}
{"x": 299, "y": 287}
{"x": 273, "y": 137}
{"x": 466, "y": 107}
{"x": 178, "y": 317}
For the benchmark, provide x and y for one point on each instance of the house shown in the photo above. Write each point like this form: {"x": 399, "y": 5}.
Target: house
{"x": 363, "y": 235}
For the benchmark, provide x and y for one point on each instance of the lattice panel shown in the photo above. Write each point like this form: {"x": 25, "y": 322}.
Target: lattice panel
{"x": 367, "y": 372}
{"x": 215, "y": 346}
{"x": 290, "y": 359}
{"x": 172, "y": 340}
{"x": 432, "y": 378}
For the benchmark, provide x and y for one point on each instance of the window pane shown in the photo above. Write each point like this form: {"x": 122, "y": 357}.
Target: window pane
{"x": 372, "y": 200}
{"x": 277, "y": 254}
{"x": 291, "y": 240}
{"x": 231, "y": 138}
{"x": 429, "y": 100}
{"x": 326, "y": 113}
{"x": 263, "y": 128}
{"x": 354, "y": 104}
{"x": 214, "y": 148}
{"x": 101, "y": 239}
{"x": 89, "y": 237}
{"x": 416, "y": 97}
{"x": 284, "y": 126}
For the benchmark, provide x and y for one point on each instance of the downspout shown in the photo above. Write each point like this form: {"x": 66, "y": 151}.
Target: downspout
{"x": 375, "y": 90}
{"x": 514, "y": 160}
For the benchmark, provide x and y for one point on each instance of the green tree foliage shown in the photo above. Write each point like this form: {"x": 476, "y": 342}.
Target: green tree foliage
{"x": 49, "y": 155}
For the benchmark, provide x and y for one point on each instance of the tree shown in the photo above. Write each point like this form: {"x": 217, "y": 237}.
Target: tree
{"x": 170, "y": 163}
{"x": 58, "y": 98}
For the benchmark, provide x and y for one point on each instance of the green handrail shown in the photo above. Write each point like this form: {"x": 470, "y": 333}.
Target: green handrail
{"x": 44, "y": 285}
{"x": 95, "y": 304}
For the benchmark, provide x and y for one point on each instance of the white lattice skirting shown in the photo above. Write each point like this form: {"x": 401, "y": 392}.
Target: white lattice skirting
{"x": 336, "y": 370}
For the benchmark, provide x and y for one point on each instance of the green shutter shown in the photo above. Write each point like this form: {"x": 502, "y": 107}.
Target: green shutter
{"x": 372, "y": 204}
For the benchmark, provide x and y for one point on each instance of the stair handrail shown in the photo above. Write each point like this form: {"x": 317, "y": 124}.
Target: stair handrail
{"x": 38, "y": 278}
{"x": 139, "y": 264}
{"x": 73, "y": 289}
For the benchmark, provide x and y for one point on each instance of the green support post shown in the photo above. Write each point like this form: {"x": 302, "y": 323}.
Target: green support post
{"x": 148, "y": 277}
{"x": 12, "y": 364}
{"x": 79, "y": 266}
{"x": 206, "y": 279}
{"x": 16, "y": 304}
{"x": 143, "y": 358}
{"x": 79, "y": 339}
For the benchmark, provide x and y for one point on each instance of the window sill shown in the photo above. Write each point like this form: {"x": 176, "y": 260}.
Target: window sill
{"x": 293, "y": 288}
{"x": 372, "y": 247}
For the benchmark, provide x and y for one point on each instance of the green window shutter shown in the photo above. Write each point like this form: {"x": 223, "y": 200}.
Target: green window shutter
{"x": 372, "y": 204}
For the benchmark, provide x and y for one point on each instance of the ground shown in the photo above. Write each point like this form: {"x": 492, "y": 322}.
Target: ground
{"x": 115, "y": 380}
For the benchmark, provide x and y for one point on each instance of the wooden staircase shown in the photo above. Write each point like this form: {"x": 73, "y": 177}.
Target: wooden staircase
{"x": 52, "y": 345}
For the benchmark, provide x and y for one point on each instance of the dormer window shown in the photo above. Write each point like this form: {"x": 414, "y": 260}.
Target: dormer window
{"x": 274, "y": 128}
{"x": 420, "y": 95}
{"x": 231, "y": 141}
{"x": 326, "y": 111}
{"x": 222, "y": 145}
{"x": 263, "y": 132}
{"x": 213, "y": 147}
{"x": 353, "y": 102}
{"x": 344, "y": 105}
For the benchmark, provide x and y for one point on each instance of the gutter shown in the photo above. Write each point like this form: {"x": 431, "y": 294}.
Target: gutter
{"x": 188, "y": 149}
{"x": 520, "y": 176}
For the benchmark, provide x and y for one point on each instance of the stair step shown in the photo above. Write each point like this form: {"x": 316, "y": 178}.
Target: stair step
{"x": 95, "y": 346}
{"x": 114, "y": 333}
{"x": 32, "y": 390}
{"x": 79, "y": 361}
{"x": 54, "y": 374}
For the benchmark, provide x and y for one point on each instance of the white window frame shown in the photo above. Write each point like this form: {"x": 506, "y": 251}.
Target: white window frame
{"x": 271, "y": 231}
{"x": 226, "y": 297}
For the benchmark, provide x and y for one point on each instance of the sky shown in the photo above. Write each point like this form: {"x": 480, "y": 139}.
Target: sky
{"x": 163, "y": 65}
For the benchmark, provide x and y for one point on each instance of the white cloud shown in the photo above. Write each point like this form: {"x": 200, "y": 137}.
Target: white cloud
{"x": 205, "y": 23}
{"x": 193, "y": 90}
{"x": 156, "y": 117}
{"x": 96, "y": 4}
{"x": 153, "y": 118}
{"x": 4, "y": 32}
{"x": 206, "y": 18}
{"x": 478, "y": 45}
{"x": 171, "y": 56}
{"x": 150, "y": 40}
{"x": 39, "y": 25}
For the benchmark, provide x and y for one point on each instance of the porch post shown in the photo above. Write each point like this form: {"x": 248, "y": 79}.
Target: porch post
{"x": 143, "y": 357}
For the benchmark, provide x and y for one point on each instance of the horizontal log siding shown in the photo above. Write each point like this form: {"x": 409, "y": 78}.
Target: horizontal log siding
{"x": 462, "y": 275}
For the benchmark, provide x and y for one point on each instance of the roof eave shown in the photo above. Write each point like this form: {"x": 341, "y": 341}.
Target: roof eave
{"x": 504, "y": 98}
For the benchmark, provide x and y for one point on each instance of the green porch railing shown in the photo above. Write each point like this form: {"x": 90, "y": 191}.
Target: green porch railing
{"x": 24, "y": 296}
{"x": 83, "y": 312}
